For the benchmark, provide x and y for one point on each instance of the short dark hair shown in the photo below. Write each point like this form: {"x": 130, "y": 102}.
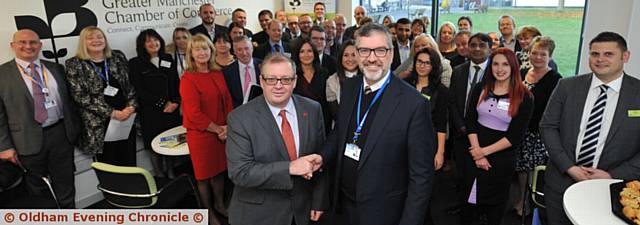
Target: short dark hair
{"x": 465, "y": 18}
{"x": 237, "y": 10}
{"x": 483, "y": 37}
{"x": 221, "y": 36}
{"x": 142, "y": 38}
{"x": 317, "y": 28}
{"x": 403, "y": 21}
{"x": 421, "y": 23}
{"x": 234, "y": 25}
{"x": 464, "y": 32}
{"x": 319, "y": 3}
{"x": 265, "y": 12}
{"x": 609, "y": 36}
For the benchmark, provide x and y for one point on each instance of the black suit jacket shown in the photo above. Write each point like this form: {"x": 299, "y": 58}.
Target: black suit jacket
{"x": 396, "y": 57}
{"x": 329, "y": 63}
{"x": 395, "y": 171}
{"x": 232, "y": 77}
{"x": 264, "y": 49}
{"x": 200, "y": 29}
{"x": 260, "y": 37}
{"x": 349, "y": 33}
{"x": 457, "y": 97}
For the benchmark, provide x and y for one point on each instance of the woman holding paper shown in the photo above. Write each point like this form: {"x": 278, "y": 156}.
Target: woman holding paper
{"x": 99, "y": 83}
{"x": 497, "y": 117}
{"x": 206, "y": 102}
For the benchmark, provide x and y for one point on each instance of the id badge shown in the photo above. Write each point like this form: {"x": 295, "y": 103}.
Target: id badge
{"x": 503, "y": 105}
{"x": 49, "y": 103}
{"x": 352, "y": 151}
{"x": 165, "y": 64}
{"x": 110, "y": 91}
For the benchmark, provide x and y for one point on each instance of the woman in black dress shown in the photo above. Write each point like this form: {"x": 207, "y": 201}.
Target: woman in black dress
{"x": 154, "y": 75}
{"x": 540, "y": 79}
{"x": 497, "y": 117}
{"x": 312, "y": 77}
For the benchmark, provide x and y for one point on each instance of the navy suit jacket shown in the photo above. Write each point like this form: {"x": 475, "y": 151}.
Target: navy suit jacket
{"x": 264, "y": 49}
{"x": 232, "y": 77}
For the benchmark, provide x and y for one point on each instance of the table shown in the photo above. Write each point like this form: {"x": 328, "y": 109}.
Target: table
{"x": 589, "y": 202}
{"x": 182, "y": 149}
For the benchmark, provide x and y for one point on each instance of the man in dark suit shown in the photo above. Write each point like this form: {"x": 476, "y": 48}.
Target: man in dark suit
{"x": 264, "y": 17}
{"x": 591, "y": 124}
{"x": 402, "y": 45}
{"x": 305, "y": 24}
{"x": 273, "y": 151}
{"x": 463, "y": 78}
{"x": 275, "y": 42}
{"x": 319, "y": 38}
{"x": 382, "y": 148}
{"x": 240, "y": 16}
{"x": 332, "y": 47}
{"x": 242, "y": 74}
{"x": 208, "y": 26}
{"x": 341, "y": 25}
{"x": 293, "y": 28}
{"x": 38, "y": 122}
{"x": 358, "y": 13}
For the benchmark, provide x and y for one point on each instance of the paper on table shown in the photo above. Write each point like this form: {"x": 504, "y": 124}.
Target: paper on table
{"x": 119, "y": 130}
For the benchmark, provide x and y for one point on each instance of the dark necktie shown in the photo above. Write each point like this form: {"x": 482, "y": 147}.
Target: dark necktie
{"x": 276, "y": 47}
{"x": 40, "y": 112}
{"x": 474, "y": 81}
{"x": 367, "y": 90}
{"x": 590, "y": 140}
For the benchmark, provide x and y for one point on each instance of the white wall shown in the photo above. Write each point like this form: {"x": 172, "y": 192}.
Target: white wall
{"x": 618, "y": 16}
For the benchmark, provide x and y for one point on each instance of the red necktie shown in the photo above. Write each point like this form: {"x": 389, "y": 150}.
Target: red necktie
{"x": 40, "y": 113}
{"x": 287, "y": 135}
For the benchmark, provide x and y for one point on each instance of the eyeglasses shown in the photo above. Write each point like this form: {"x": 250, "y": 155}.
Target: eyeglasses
{"x": 379, "y": 52}
{"x": 423, "y": 63}
{"x": 273, "y": 81}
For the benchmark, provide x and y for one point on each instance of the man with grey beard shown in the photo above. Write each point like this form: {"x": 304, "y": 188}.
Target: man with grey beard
{"x": 383, "y": 146}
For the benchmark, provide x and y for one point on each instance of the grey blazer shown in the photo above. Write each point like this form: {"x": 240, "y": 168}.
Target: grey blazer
{"x": 560, "y": 126}
{"x": 18, "y": 128}
{"x": 258, "y": 165}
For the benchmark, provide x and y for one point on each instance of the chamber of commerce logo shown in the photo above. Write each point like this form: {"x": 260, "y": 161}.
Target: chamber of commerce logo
{"x": 83, "y": 17}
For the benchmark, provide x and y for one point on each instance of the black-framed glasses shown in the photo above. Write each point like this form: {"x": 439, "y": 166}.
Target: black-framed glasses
{"x": 274, "y": 81}
{"x": 423, "y": 63}
{"x": 378, "y": 52}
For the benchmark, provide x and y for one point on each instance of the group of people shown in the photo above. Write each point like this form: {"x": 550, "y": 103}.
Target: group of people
{"x": 308, "y": 116}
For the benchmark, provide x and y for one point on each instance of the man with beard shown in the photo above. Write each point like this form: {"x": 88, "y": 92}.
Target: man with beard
{"x": 383, "y": 145}
{"x": 208, "y": 26}
{"x": 402, "y": 46}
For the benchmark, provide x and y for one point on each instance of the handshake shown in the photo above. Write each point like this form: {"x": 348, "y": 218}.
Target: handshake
{"x": 305, "y": 166}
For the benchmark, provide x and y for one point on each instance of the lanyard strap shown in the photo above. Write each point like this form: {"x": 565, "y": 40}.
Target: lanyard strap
{"x": 358, "y": 131}
{"x": 43, "y": 82}
{"x": 179, "y": 59}
{"x": 104, "y": 75}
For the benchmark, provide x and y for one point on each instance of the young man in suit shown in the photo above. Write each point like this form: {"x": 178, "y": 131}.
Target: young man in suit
{"x": 242, "y": 74}
{"x": 273, "y": 153}
{"x": 208, "y": 27}
{"x": 591, "y": 124}
{"x": 275, "y": 42}
{"x": 264, "y": 17}
{"x": 463, "y": 78}
{"x": 239, "y": 16}
{"x": 402, "y": 46}
{"x": 38, "y": 122}
{"x": 319, "y": 38}
{"x": 383, "y": 147}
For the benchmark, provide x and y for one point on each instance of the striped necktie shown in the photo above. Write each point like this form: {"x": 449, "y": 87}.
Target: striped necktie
{"x": 590, "y": 140}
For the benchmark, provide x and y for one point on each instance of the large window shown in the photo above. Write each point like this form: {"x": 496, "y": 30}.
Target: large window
{"x": 562, "y": 24}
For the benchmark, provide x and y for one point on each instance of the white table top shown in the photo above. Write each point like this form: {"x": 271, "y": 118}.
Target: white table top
{"x": 589, "y": 202}
{"x": 182, "y": 149}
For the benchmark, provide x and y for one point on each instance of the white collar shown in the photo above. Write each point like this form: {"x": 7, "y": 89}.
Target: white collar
{"x": 614, "y": 85}
{"x": 482, "y": 65}
{"x": 350, "y": 74}
{"x": 25, "y": 64}
{"x": 250, "y": 64}
{"x": 290, "y": 107}
{"x": 378, "y": 84}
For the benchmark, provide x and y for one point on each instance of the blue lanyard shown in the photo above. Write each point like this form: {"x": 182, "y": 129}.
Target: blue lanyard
{"x": 358, "y": 131}
{"x": 179, "y": 59}
{"x": 104, "y": 75}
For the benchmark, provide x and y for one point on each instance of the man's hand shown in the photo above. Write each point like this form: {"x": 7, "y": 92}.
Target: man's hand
{"x": 578, "y": 173}
{"x": 119, "y": 115}
{"x": 438, "y": 160}
{"x": 315, "y": 215}
{"x": 594, "y": 173}
{"x": 305, "y": 166}
{"x": 483, "y": 163}
{"x": 9, "y": 155}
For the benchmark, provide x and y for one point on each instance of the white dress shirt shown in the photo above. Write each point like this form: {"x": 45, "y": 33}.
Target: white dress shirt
{"x": 254, "y": 80}
{"x": 292, "y": 117}
{"x": 55, "y": 113}
{"x": 377, "y": 85}
{"x": 404, "y": 50}
{"x": 613, "y": 92}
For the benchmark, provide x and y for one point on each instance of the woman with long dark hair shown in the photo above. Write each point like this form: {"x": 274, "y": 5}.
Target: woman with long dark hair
{"x": 312, "y": 77}
{"x": 348, "y": 68}
{"x": 498, "y": 113}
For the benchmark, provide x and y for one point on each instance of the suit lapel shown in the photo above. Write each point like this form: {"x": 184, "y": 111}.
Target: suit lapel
{"x": 302, "y": 115}
{"x": 347, "y": 105}
{"x": 581, "y": 92}
{"x": 20, "y": 82}
{"x": 235, "y": 80}
{"x": 627, "y": 92}
{"x": 391, "y": 98}
{"x": 268, "y": 123}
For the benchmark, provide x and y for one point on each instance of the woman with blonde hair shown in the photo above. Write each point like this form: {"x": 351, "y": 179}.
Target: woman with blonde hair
{"x": 99, "y": 84}
{"x": 445, "y": 39}
{"x": 420, "y": 42}
{"x": 206, "y": 102}
{"x": 178, "y": 49}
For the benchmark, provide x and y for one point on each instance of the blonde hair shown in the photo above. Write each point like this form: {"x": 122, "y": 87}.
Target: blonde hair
{"x": 430, "y": 40}
{"x": 82, "y": 52}
{"x": 171, "y": 48}
{"x": 200, "y": 41}
{"x": 454, "y": 31}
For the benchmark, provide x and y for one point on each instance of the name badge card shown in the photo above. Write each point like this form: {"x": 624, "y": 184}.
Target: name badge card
{"x": 110, "y": 91}
{"x": 352, "y": 151}
{"x": 503, "y": 104}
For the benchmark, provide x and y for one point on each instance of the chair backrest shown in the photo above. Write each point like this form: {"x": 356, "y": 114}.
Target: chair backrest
{"x": 537, "y": 186}
{"x": 126, "y": 187}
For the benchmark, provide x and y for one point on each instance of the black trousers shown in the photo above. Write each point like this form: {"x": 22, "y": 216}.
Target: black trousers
{"x": 55, "y": 159}
{"x": 472, "y": 212}
{"x": 348, "y": 214}
{"x": 120, "y": 153}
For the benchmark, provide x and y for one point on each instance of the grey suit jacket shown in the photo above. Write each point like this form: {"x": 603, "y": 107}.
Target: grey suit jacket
{"x": 18, "y": 128}
{"x": 258, "y": 165}
{"x": 560, "y": 126}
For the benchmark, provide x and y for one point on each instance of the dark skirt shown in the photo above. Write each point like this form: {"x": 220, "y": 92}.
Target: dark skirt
{"x": 531, "y": 153}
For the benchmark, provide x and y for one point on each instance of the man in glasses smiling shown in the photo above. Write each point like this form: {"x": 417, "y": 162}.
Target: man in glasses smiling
{"x": 383, "y": 146}
{"x": 273, "y": 150}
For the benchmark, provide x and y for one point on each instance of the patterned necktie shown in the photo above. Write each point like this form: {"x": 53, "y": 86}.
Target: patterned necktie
{"x": 247, "y": 79}
{"x": 287, "y": 135}
{"x": 590, "y": 140}
{"x": 276, "y": 47}
{"x": 40, "y": 112}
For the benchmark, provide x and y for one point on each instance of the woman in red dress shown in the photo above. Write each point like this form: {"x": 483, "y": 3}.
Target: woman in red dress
{"x": 205, "y": 104}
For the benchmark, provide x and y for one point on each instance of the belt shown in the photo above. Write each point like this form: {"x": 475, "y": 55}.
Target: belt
{"x": 52, "y": 125}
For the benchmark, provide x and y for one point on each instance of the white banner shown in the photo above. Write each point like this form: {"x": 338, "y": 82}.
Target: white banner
{"x": 104, "y": 216}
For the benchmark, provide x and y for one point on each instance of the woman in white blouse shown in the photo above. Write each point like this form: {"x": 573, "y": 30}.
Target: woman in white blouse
{"x": 348, "y": 68}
